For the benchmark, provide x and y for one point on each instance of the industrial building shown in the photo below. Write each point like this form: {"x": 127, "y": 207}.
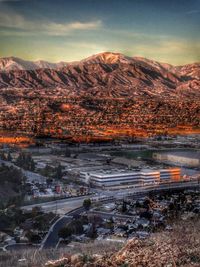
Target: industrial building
{"x": 182, "y": 158}
{"x": 126, "y": 178}
{"x": 171, "y": 174}
{"x": 111, "y": 178}
{"x": 150, "y": 177}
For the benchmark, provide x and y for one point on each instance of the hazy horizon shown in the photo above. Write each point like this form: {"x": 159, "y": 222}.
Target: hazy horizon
{"x": 69, "y": 61}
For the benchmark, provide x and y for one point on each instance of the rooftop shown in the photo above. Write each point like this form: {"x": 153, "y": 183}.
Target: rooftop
{"x": 123, "y": 173}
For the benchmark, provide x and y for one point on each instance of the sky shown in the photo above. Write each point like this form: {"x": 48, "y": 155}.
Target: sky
{"x": 69, "y": 30}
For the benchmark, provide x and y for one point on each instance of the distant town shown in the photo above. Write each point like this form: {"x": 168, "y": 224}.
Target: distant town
{"x": 56, "y": 194}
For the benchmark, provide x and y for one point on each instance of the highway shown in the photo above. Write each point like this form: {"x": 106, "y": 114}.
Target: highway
{"x": 61, "y": 206}
{"x": 66, "y": 205}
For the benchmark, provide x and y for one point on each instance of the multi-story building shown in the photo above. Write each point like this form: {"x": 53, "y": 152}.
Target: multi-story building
{"x": 112, "y": 179}
{"x": 171, "y": 174}
{"x": 126, "y": 178}
{"x": 150, "y": 177}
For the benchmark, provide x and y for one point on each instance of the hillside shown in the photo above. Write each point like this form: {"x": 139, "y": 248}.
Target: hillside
{"x": 178, "y": 248}
{"x": 105, "y": 96}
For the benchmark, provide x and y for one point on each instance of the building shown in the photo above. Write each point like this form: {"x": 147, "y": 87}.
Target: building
{"x": 107, "y": 179}
{"x": 125, "y": 178}
{"x": 170, "y": 175}
{"x": 149, "y": 177}
{"x": 182, "y": 158}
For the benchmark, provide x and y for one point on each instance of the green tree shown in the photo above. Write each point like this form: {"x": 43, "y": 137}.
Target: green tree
{"x": 67, "y": 153}
{"x": 32, "y": 237}
{"x": 87, "y": 203}
{"x": 25, "y": 161}
{"x": 9, "y": 157}
{"x": 47, "y": 171}
{"x": 3, "y": 156}
{"x": 32, "y": 165}
{"x": 58, "y": 172}
{"x": 124, "y": 206}
{"x": 65, "y": 232}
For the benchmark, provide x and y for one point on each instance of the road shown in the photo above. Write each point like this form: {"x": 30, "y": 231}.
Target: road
{"x": 66, "y": 205}
{"x": 62, "y": 206}
{"x": 52, "y": 238}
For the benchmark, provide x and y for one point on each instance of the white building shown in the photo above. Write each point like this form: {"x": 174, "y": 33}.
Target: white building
{"x": 150, "y": 177}
{"x": 111, "y": 179}
{"x": 126, "y": 178}
{"x": 171, "y": 174}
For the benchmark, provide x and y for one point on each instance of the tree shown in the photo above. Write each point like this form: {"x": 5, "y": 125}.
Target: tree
{"x": 19, "y": 160}
{"x": 110, "y": 223}
{"x": 58, "y": 172}
{"x": 25, "y": 161}
{"x": 47, "y": 171}
{"x": 9, "y": 157}
{"x": 3, "y": 156}
{"x": 67, "y": 153}
{"x": 32, "y": 237}
{"x": 35, "y": 211}
{"x": 65, "y": 232}
{"x": 87, "y": 203}
{"x": 32, "y": 165}
{"x": 124, "y": 206}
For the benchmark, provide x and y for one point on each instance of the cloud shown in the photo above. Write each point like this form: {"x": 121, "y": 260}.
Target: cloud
{"x": 190, "y": 12}
{"x": 175, "y": 51}
{"x": 15, "y": 24}
{"x": 64, "y": 28}
{"x": 5, "y": 1}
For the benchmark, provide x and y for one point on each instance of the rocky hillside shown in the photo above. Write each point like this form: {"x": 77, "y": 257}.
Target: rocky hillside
{"x": 104, "y": 96}
{"x": 117, "y": 74}
{"x": 178, "y": 248}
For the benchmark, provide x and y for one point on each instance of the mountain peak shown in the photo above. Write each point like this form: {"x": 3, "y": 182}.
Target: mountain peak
{"x": 108, "y": 58}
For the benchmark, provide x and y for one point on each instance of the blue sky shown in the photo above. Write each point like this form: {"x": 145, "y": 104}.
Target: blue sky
{"x": 65, "y": 30}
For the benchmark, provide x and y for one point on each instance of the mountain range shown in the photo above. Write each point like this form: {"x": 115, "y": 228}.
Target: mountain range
{"x": 104, "y": 96}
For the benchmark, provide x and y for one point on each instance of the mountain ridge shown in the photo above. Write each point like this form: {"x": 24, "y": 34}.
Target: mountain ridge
{"x": 114, "y": 68}
{"x": 113, "y": 56}
{"x": 103, "y": 96}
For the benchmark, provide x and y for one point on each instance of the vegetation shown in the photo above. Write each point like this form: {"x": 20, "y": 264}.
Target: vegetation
{"x": 75, "y": 227}
{"x": 25, "y": 161}
{"x": 12, "y": 184}
{"x": 58, "y": 172}
{"x": 87, "y": 203}
{"x": 47, "y": 171}
{"x": 65, "y": 232}
{"x": 180, "y": 247}
{"x": 67, "y": 153}
{"x": 32, "y": 223}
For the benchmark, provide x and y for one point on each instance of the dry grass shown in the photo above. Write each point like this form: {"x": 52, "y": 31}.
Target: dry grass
{"x": 179, "y": 248}
{"x": 36, "y": 258}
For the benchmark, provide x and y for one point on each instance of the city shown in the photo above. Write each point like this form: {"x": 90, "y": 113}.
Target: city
{"x": 99, "y": 133}
{"x": 111, "y": 183}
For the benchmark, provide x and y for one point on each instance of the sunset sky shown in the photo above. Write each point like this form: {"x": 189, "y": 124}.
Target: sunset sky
{"x": 68, "y": 30}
